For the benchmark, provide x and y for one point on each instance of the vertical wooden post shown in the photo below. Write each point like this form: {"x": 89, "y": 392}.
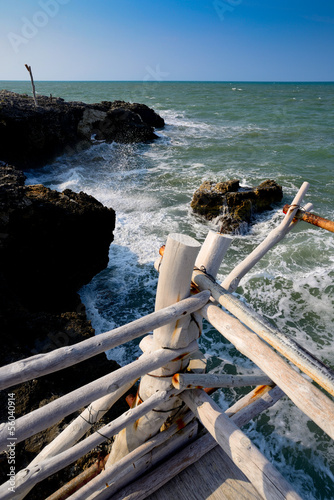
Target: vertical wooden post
{"x": 212, "y": 252}
{"x": 174, "y": 285}
{"x": 209, "y": 260}
{"x": 32, "y": 84}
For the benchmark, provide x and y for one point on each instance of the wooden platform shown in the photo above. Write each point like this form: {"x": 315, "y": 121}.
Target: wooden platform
{"x": 213, "y": 477}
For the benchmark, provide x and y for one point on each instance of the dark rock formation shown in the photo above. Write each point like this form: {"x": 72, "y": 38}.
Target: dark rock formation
{"x": 232, "y": 205}
{"x": 48, "y": 239}
{"x": 31, "y": 136}
{"x": 50, "y": 245}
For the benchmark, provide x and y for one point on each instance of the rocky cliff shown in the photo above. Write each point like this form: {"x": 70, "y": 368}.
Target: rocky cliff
{"x": 50, "y": 245}
{"x": 31, "y": 136}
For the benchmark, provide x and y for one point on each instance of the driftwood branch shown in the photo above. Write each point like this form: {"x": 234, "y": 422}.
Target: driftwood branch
{"x": 32, "y": 84}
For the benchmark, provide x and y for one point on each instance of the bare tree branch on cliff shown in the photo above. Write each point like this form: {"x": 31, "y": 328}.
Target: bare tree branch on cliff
{"x": 32, "y": 84}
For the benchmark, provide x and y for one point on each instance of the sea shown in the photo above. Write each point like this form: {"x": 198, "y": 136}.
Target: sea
{"x": 218, "y": 131}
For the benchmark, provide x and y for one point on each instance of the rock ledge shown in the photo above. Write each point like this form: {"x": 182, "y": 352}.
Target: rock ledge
{"x": 32, "y": 136}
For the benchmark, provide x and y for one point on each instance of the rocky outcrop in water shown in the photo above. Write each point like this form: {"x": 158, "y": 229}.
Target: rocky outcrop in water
{"x": 50, "y": 245}
{"x": 32, "y": 136}
{"x": 232, "y": 206}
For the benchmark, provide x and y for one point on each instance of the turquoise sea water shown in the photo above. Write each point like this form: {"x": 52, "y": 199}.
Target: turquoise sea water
{"x": 219, "y": 131}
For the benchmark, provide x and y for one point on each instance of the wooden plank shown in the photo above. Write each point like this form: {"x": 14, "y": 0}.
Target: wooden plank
{"x": 306, "y": 396}
{"x": 260, "y": 472}
{"x": 42, "y": 364}
{"x": 213, "y": 477}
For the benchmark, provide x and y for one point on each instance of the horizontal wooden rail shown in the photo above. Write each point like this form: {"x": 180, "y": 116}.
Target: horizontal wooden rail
{"x": 42, "y": 364}
{"x": 306, "y": 396}
{"x": 184, "y": 381}
{"x": 51, "y": 413}
{"x": 252, "y": 404}
{"x": 27, "y": 478}
{"x": 260, "y": 472}
{"x": 283, "y": 343}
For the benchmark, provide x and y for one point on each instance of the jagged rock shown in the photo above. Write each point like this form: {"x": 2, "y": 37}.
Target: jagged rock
{"x": 50, "y": 244}
{"x": 232, "y": 206}
{"x": 32, "y": 136}
{"x": 49, "y": 239}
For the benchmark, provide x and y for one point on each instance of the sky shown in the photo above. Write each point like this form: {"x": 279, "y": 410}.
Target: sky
{"x": 163, "y": 40}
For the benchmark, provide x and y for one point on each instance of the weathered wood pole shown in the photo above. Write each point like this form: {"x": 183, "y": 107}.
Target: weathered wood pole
{"x": 261, "y": 473}
{"x": 78, "y": 428}
{"x": 212, "y": 252}
{"x": 32, "y": 84}
{"x": 314, "y": 219}
{"x": 184, "y": 381}
{"x": 173, "y": 285}
{"x": 42, "y": 364}
{"x": 146, "y": 455}
{"x": 27, "y": 478}
{"x": 51, "y": 413}
{"x": 313, "y": 402}
{"x": 283, "y": 343}
{"x": 138, "y": 462}
{"x": 231, "y": 281}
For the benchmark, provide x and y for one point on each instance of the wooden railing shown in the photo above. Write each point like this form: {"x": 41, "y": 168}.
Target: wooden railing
{"x": 172, "y": 373}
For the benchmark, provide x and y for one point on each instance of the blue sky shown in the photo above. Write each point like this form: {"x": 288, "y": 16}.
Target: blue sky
{"x": 219, "y": 40}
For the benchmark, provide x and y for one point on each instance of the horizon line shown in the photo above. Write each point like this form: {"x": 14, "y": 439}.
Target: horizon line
{"x": 174, "y": 81}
